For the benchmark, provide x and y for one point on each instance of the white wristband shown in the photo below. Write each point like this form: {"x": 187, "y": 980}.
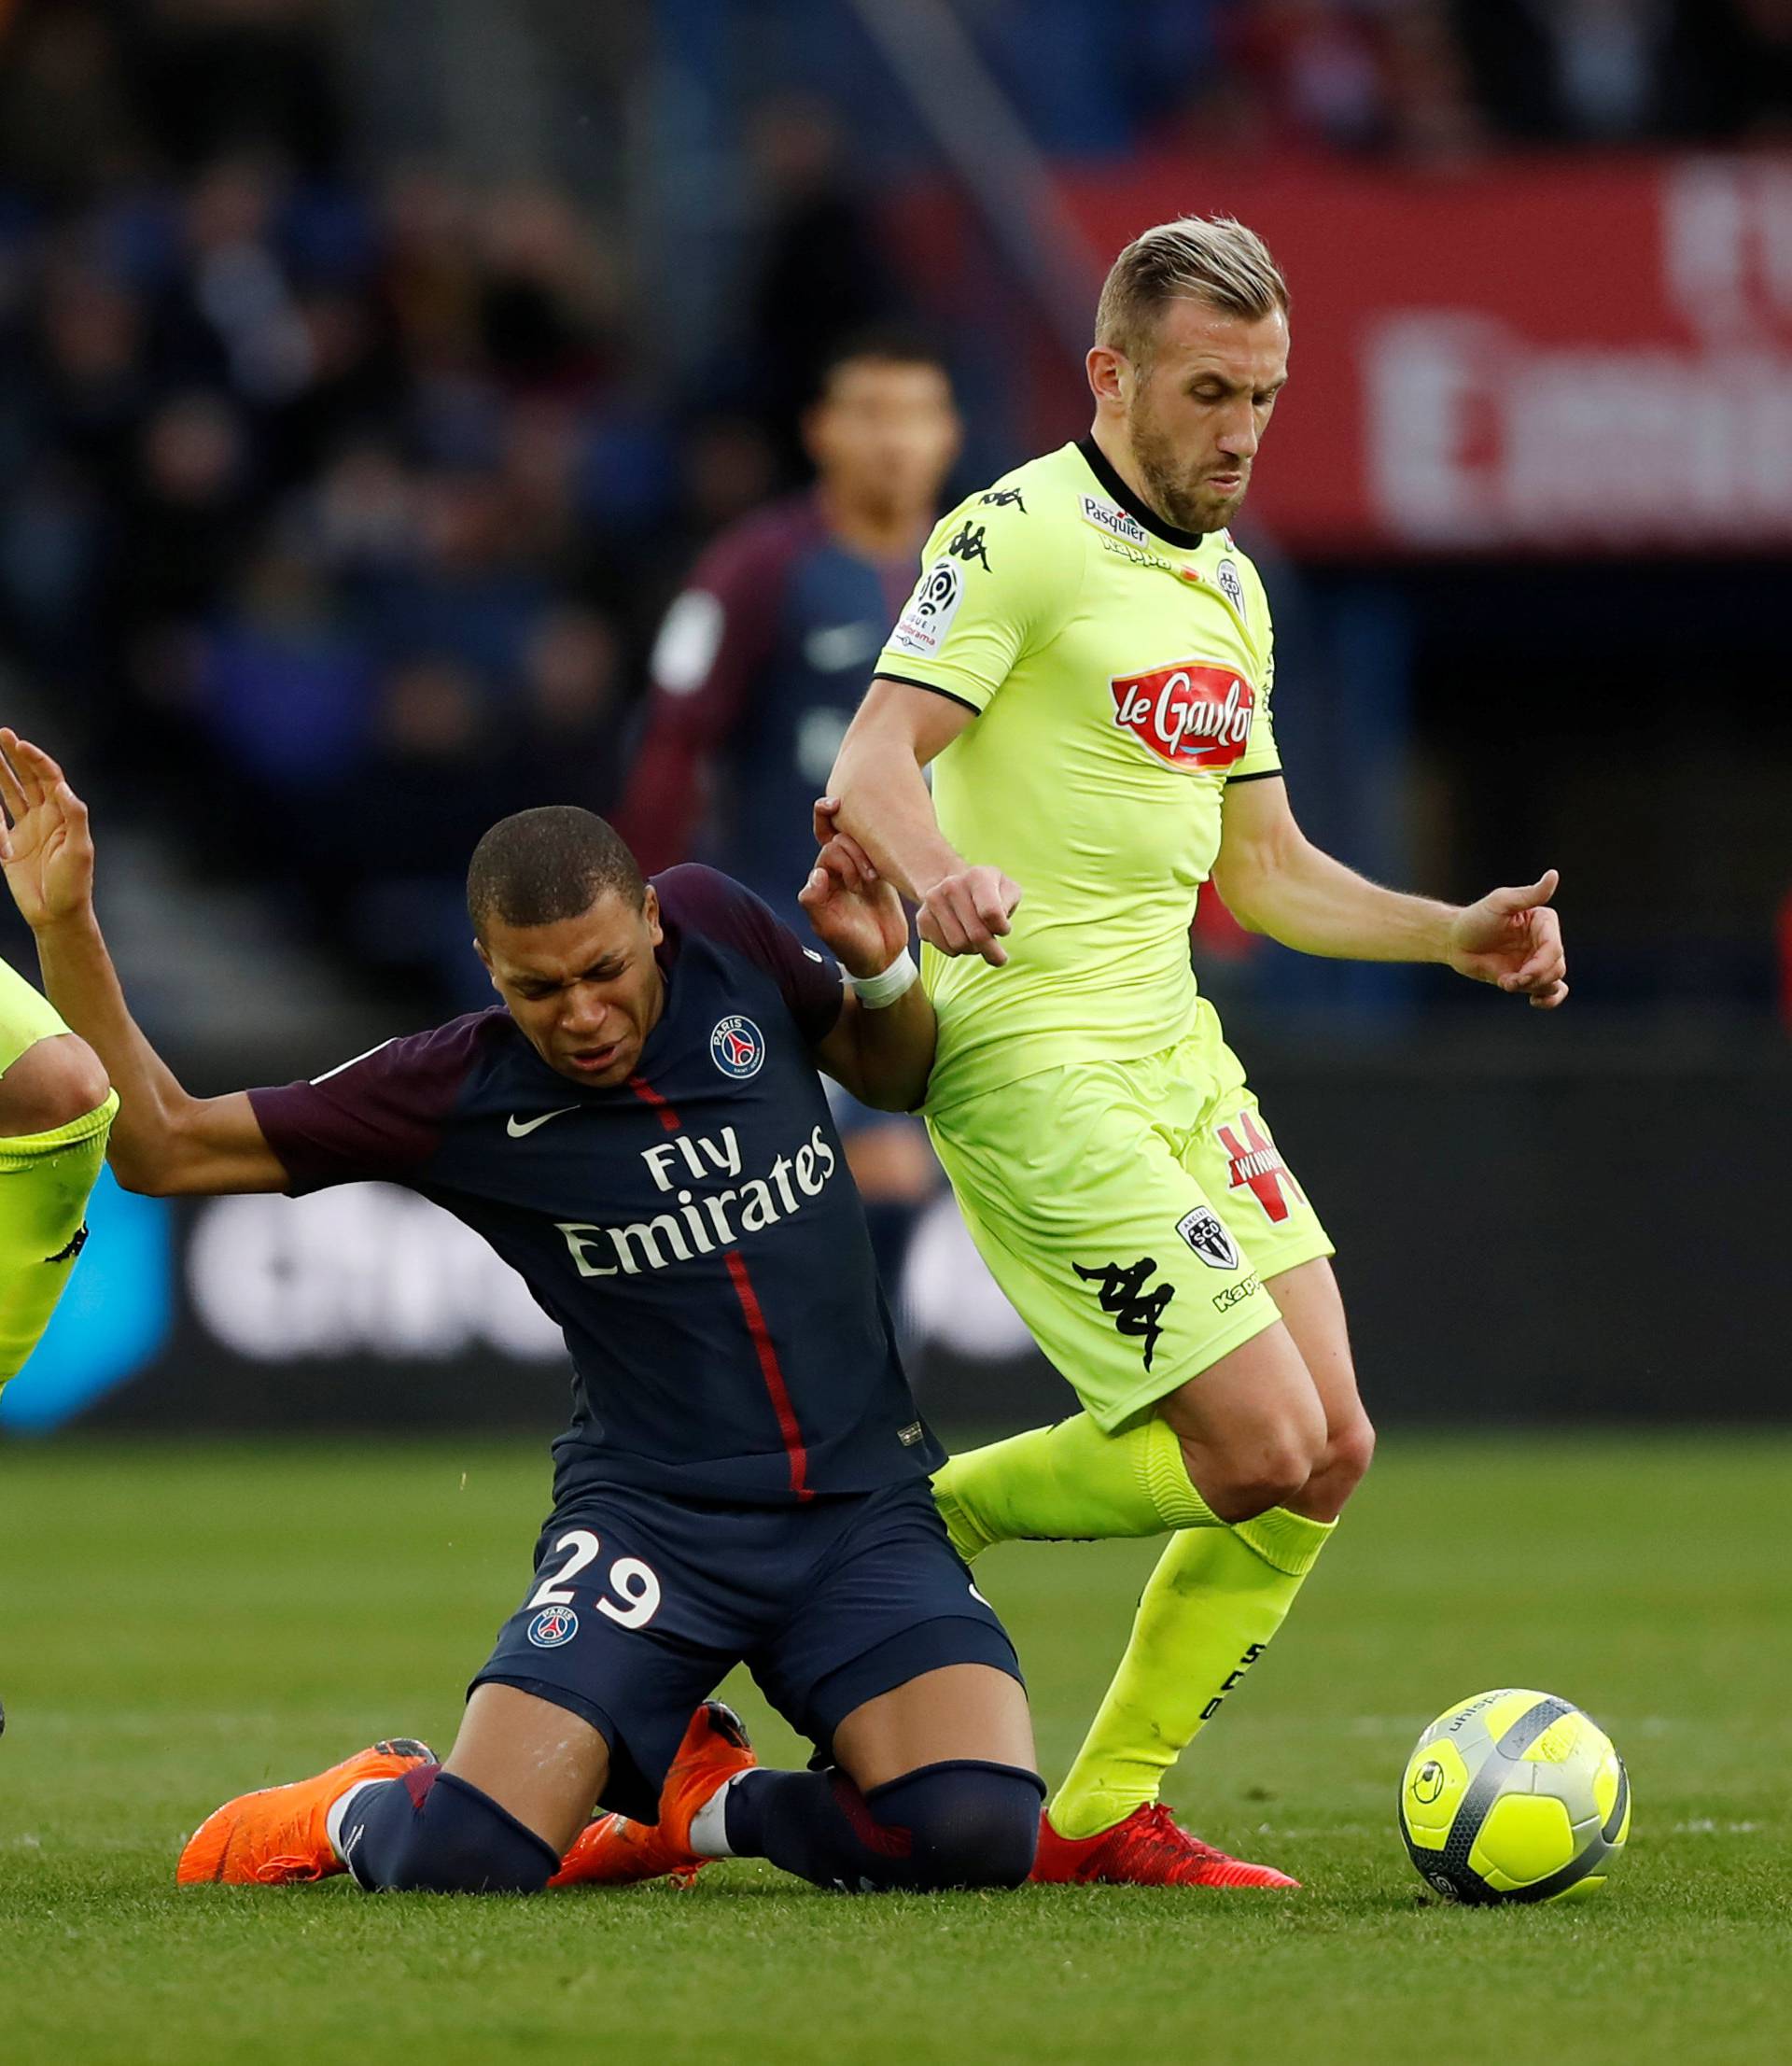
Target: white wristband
{"x": 897, "y": 980}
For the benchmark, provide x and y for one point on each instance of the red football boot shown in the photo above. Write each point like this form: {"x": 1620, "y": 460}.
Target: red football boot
{"x": 1148, "y": 1849}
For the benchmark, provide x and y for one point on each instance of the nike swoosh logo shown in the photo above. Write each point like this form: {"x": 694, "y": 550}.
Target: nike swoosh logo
{"x": 517, "y": 1128}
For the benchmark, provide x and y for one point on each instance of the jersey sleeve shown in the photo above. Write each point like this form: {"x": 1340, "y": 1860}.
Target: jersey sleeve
{"x": 1260, "y": 756}
{"x": 377, "y": 1117}
{"x": 998, "y": 581}
{"x": 812, "y": 983}
{"x": 713, "y": 640}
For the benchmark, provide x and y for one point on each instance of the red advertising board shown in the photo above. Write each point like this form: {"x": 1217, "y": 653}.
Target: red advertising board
{"x": 1538, "y": 356}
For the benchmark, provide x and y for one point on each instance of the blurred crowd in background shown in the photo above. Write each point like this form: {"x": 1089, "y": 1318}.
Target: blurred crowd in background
{"x": 341, "y": 494}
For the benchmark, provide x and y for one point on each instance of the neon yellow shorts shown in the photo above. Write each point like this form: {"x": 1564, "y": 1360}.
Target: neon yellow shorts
{"x": 26, "y": 1017}
{"x": 1132, "y": 1212}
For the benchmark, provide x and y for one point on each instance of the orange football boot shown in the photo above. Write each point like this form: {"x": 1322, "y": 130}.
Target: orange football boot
{"x": 611, "y": 1850}
{"x": 1149, "y": 1848}
{"x": 277, "y": 1834}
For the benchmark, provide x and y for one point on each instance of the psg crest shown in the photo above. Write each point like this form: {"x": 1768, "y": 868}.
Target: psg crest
{"x": 737, "y": 1048}
{"x": 553, "y": 1627}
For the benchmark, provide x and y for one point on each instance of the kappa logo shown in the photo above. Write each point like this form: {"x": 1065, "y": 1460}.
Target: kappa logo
{"x": 1194, "y": 713}
{"x": 928, "y": 615}
{"x": 75, "y": 1242}
{"x": 1003, "y": 499}
{"x": 1136, "y": 1312}
{"x": 737, "y": 1048}
{"x": 1206, "y": 1232}
{"x": 1121, "y": 550}
{"x": 968, "y": 545}
{"x": 1236, "y": 1294}
{"x": 1256, "y": 1166}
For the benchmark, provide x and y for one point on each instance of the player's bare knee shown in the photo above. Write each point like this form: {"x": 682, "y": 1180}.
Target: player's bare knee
{"x": 52, "y": 1084}
{"x": 1350, "y": 1451}
{"x": 1243, "y": 1482}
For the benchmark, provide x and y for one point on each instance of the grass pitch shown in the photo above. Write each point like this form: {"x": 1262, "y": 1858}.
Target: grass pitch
{"x": 177, "y": 1625}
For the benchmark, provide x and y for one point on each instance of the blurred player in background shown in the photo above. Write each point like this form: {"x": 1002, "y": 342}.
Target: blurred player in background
{"x": 1089, "y": 655}
{"x": 758, "y": 666}
{"x": 55, "y": 1109}
{"x": 639, "y": 1130}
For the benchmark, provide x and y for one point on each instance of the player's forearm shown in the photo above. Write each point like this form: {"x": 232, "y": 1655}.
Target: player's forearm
{"x": 886, "y": 805}
{"x": 1317, "y": 905}
{"x": 83, "y": 985}
{"x": 895, "y": 1051}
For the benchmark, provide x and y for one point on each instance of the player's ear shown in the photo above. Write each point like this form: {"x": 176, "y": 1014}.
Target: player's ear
{"x": 486, "y": 960}
{"x": 650, "y": 913}
{"x": 1107, "y": 370}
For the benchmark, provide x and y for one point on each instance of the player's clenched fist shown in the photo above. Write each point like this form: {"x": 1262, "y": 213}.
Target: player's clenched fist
{"x": 964, "y": 913}
{"x": 1513, "y": 938}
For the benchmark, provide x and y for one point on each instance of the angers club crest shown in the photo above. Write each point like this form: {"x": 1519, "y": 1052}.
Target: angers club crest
{"x": 1206, "y": 1233}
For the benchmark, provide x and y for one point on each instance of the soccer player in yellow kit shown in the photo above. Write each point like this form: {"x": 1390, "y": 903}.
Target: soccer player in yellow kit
{"x": 56, "y": 1107}
{"x": 1087, "y": 663}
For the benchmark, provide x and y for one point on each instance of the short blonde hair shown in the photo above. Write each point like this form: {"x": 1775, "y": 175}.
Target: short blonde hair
{"x": 1211, "y": 258}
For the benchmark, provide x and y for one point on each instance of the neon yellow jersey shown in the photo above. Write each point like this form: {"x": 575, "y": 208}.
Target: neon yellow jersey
{"x": 1121, "y": 672}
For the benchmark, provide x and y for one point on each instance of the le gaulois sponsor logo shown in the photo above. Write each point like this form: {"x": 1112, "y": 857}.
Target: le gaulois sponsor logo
{"x": 1193, "y": 714}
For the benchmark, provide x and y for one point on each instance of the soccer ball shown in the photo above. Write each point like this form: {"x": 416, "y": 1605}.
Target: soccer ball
{"x": 1514, "y": 1796}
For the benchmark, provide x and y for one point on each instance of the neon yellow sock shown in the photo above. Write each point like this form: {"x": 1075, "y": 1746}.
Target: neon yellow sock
{"x": 45, "y": 1179}
{"x": 1205, "y": 1614}
{"x": 1069, "y": 1482}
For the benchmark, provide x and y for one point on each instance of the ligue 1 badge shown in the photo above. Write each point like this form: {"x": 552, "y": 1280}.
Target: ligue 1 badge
{"x": 737, "y": 1048}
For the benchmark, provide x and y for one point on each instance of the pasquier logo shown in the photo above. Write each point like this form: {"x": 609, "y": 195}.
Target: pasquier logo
{"x": 1196, "y": 713}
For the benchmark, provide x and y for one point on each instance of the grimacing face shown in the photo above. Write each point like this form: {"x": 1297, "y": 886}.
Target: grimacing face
{"x": 1196, "y": 418}
{"x": 586, "y": 991}
{"x": 884, "y": 435}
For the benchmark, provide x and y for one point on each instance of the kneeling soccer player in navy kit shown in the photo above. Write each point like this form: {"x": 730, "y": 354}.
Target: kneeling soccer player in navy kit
{"x": 640, "y": 1130}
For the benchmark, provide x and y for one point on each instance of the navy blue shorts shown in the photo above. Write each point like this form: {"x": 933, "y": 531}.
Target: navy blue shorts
{"x": 643, "y": 1605}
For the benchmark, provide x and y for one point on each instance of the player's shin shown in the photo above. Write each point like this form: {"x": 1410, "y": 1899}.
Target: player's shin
{"x": 1068, "y": 1483}
{"x": 429, "y": 1831}
{"x": 962, "y": 1823}
{"x": 1208, "y": 1611}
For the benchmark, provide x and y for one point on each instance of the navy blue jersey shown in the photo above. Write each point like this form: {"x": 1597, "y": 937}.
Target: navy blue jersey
{"x": 756, "y": 673}
{"x": 694, "y": 1231}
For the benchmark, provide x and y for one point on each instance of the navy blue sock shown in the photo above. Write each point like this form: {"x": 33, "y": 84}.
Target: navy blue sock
{"x": 962, "y": 1823}
{"x": 433, "y": 1833}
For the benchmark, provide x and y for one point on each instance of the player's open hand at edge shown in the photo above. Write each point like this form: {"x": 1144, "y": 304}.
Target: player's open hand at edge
{"x": 46, "y": 847}
{"x": 1513, "y": 938}
{"x": 855, "y": 914}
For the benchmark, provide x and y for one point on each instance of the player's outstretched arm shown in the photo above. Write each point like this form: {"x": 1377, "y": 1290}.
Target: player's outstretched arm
{"x": 162, "y": 1140}
{"x": 876, "y": 795}
{"x": 881, "y": 1047}
{"x": 1276, "y": 881}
